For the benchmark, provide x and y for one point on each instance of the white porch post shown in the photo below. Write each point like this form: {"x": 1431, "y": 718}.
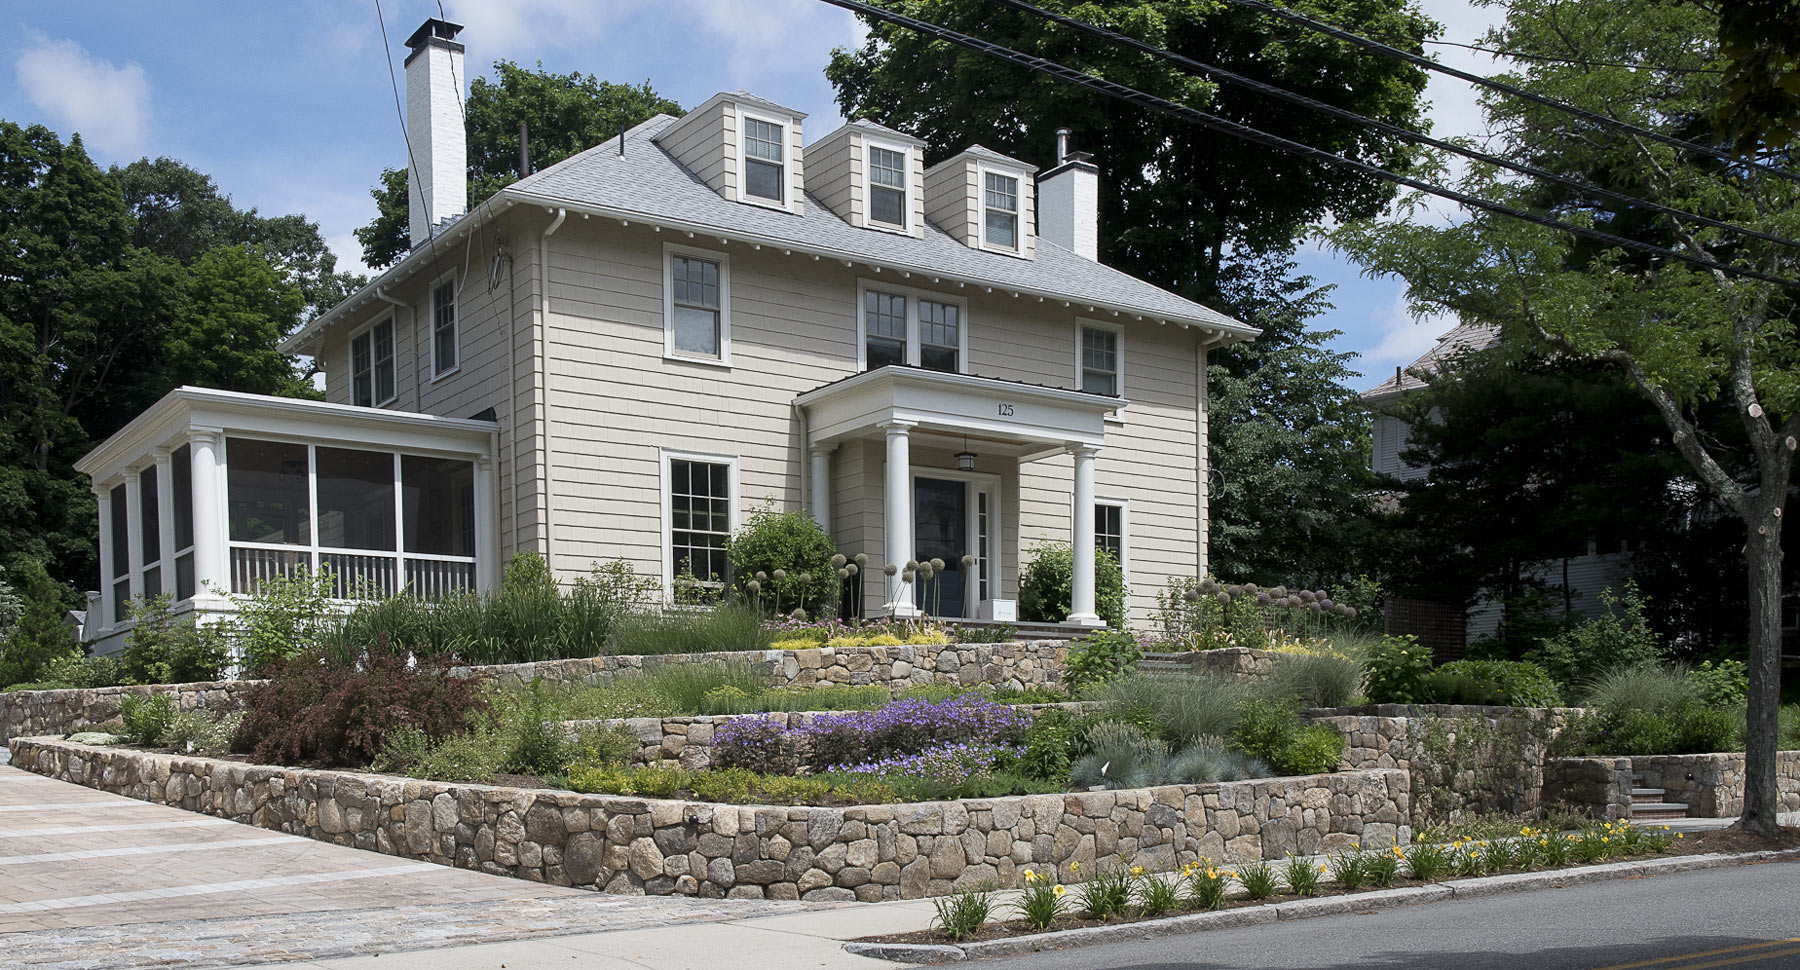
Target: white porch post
{"x": 820, "y": 480}
{"x": 165, "y": 520}
{"x": 1081, "y": 594}
{"x": 898, "y": 525}
{"x": 210, "y": 556}
{"x": 486, "y": 518}
{"x": 134, "y": 533}
{"x": 103, "y": 496}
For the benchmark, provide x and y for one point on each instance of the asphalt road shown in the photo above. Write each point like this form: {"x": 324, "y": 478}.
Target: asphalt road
{"x": 1740, "y": 917}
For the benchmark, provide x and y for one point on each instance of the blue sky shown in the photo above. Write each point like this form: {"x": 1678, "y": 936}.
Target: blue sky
{"x": 289, "y": 106}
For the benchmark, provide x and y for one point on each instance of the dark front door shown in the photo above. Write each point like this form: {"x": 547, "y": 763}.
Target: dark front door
{"x": 941, "y": 524}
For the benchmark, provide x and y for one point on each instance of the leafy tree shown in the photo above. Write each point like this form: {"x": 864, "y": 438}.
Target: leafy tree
{"x": 1684, "y": 336}
{"x": 563, "y": 113}
{"x": 1289, "y": 443}
{"x": 1762, "y": 73}
{"x": 1179, "y": 205}
{"x": 40, "y": 635}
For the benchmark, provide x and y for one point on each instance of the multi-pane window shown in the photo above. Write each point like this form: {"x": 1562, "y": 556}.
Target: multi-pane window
{"x": 699, "y": 519}
{"x": 940, "y": 335}
{"x": 1109, "y": 529}
{"x": 372, "y": 365}
{"x": 443, "y": 328}
{"x": 695, "y": 305}
{"x": 884, "y": 320}
{"x": 1100, "y": 360}
{"x": 764, "y": 160}
{"x": 887, "y": 187}
{"x": 1000, "y": 204}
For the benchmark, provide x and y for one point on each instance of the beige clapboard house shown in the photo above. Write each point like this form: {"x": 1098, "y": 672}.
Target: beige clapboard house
{"x": 624, "y": 355}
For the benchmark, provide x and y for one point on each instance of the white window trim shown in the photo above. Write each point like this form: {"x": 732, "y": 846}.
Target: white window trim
{"x": 913, "y": 295}
{"x": 670, "y": 251}
{"x": 455, "y": 324}
{"x": 1124, "y": 507}
{"x": 791, "y": 184}
{"x": 1118, "y": 416}
{"x": 982, "y": 170}
{"x": 667, "y": 542}
{"x": 350, "y": 350}
{"x": 867, "y": 185}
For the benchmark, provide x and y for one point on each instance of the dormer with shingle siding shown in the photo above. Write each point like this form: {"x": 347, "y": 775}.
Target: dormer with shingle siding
{"x": 872, "y": 176}
{"x": 746, "y": 148}
{"x": 985, "y": 200}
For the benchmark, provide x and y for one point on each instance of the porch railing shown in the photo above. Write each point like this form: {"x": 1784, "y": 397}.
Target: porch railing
{"x": 356, "y": 573}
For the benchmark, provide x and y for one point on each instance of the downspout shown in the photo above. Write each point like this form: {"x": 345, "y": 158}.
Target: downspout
{"x": 541, "y": 374}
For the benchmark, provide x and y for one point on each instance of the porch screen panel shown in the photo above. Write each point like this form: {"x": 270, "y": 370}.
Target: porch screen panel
{"x": 940, "y": 335}
{"x": 266, "y": 488}
{"x": 120, "y": 538}
{"x": 150, "y": 531}
{"x": 181, "y": 478}
{"x": 699, "y": 518}
{"x": 356, "y": 499}
{"x": 884, "y": 326}
{"x": 437, "y": 505}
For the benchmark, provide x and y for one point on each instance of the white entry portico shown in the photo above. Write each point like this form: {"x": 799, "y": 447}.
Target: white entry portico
{"x": 911, "y": 409}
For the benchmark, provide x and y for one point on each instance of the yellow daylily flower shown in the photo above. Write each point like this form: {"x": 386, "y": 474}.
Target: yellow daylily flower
{"x": 1060, "y": 890}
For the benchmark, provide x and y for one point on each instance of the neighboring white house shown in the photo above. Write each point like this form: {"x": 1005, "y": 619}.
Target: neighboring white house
{"x": 624, "y": 354}
{"x": 1605, "y": 563}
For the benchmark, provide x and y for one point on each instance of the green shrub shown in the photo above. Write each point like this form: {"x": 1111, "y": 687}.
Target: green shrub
{"x": 285, "y": 617}
{"x": 1514, "y": 683}
{"x": 161, "y": 649}
{"x": 1788, "y": 732}
{"x": 1048, "y": 577}
{"x": 71, "y": 672}
{"x": 1396, "y": 668}
{"x": 34, "y": 634}
{"x": 1315, "y": 749}
{"x": 997, "y": 633}
{"x": 1101, "y": 656}
{"x": 1444, "y": 687}
{"x": 1049, "y": 746}
{"x": 1621, "y": 638}
{"x": 536, "y": 742}
{"x": 706, "y": 630}
{"x": 688, "y": 685}
{"x": 1317, "y": 680}
{"x": 1725, "y": 684}
{"x": 1691, "y": 727}
{"x": 146, "y": 718}
{"x": 792, "y": 545}
{"x": 1271, "y": 730}
{"x": 199, "y": 732}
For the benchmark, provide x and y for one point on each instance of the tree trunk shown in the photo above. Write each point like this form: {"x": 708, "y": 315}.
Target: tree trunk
{"x": 1762, "y": 552}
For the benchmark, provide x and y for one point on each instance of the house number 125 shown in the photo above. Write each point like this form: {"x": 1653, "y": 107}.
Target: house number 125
{"x": 1006, "y": 410}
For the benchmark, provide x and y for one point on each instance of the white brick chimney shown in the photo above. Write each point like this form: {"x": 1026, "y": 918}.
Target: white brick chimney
{"x": 439, "y": 186}
{"x": 1068, "y": 200}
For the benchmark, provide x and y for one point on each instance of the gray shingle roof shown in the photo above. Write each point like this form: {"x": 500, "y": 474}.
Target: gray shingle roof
{"x": 1464, "y": 338}
{"x": 648, "y": 183}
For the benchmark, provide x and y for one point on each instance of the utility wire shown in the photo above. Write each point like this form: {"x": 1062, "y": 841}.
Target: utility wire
{"x": 412, "y": 165}
{"x": 1545, "y": 59}
{"x": 1517, "y": 92}
{"x": 1397, "y": 131}
{"x": 1255, "y": 136}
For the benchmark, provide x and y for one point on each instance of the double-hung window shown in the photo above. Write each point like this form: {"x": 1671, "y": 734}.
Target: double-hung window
{"x": 697, "y": 306}
{"x": 1099, "y": 359}
{"x": 1000, "y": 210}
{"x": 1109, "y": 529}
{"x": 699, "y": 494}
{"x": 765, "y": 162}
{"x": 903, "y": 326}
{"x": 443, "y": 328}
{"x": 372, "y": 365}
{"x": 887, "y": 187}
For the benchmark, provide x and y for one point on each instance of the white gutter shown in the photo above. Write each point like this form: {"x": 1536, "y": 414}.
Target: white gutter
{"x": 540, "y": 375}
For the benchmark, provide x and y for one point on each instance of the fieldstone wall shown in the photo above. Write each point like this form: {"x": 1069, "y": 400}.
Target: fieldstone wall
{"x": 1016, "y": 665}
{"x": 1599, "y": 787}
{"x": 28, "y": 713}
{"x": 1712, "y": 785}
{"x": 1239, "y": 662}
{"x": 660, "y": 847}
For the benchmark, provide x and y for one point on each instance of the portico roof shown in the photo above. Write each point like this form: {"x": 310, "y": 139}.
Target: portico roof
{"x": 1011, "y": 411}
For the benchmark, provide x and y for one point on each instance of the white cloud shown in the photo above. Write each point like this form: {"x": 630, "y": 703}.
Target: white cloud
{"x": 108, "y": 105}
{"x": 1403, "y": 337}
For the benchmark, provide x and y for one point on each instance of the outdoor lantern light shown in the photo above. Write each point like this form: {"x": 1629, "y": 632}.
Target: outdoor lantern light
{"x": 965, "y": 459}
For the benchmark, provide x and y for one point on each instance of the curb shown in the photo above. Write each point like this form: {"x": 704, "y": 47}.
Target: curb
{"x": 1476, "y": 888}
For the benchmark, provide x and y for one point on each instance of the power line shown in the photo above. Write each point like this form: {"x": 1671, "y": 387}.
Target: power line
{"x": 1503, "y": 87}
{"x": 1255, "y": 136}
{"x": 1397, "y": 131}
{"x": 412, "y": 165}
{"x": 1545, "y": 59}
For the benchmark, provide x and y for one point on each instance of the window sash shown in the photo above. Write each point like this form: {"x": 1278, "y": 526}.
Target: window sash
{"x": 695, "y": 292}
{"x": 699, "y": 519}
{"x": 887, "y": 186}
{"x": 443, "y": 328}
{"x": 765, "y": 166}
{"x": 1099, "y": 360}
{"x": 372, "y": 365}
{"x": 1109, "y": 529}
{"x": 940, "y": 335}
{"x": 1000, "y": 199}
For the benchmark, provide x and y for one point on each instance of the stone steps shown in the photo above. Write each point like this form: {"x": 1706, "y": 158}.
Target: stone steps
{"x": 1649, "y": 803}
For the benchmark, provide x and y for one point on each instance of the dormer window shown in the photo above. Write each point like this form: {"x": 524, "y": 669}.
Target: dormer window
{"x": 765, "y": 163}
{"x": 887, "y": 187}
{"x": 1000, "y": 210}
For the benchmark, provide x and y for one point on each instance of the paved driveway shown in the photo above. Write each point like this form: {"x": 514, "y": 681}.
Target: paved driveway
{"x": 89, "y": 879}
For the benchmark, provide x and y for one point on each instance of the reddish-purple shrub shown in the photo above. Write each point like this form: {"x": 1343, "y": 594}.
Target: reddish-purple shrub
{"x": 319, "y": 709}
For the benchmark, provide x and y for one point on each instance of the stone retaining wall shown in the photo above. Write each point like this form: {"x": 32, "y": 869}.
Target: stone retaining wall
{"x": 1599, "y": 787}
{"x": 1016, "y": 665}
{"x": 659, "y": 847}
{"x": 28, "y": 713}
{"x": 1712, "y": 785}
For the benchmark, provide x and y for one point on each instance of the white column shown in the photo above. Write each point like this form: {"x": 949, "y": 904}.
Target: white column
{"x": 487, "y": 559}
{"x": 898, "y": 524}
{"x": 211, "y": 570}
{"x": 820, "y": 480}
{"x": 134, "y": 533}
{"x": 165, "y": 519}
{"x": 1081, "y": 593}
{"x": 103, "y": 496}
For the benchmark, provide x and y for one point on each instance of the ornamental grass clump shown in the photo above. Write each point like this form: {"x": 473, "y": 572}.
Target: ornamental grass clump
{"x": 1259, "y": 880}
{"x": 1384, "y": 867}
{"x": 1043, "y": 900}
{"x": 1158, "y": 895}
{"x": 1427, "y": 862}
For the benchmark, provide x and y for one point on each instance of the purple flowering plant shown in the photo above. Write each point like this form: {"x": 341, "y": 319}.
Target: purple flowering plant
{"x": 761, "y": 744}
{"x": 943, "y": 763}
{"x": 911, "y": 726}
